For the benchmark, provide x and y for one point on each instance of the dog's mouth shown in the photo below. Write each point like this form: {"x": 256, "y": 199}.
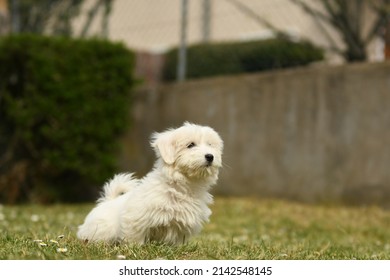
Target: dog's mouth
{"x": 204, "y": 170}
{"x": 199, "y": 167}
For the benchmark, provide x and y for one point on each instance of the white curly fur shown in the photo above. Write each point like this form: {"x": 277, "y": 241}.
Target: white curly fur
{"x": 168, "y": 205}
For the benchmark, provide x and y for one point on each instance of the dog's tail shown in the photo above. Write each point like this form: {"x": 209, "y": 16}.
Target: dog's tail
{"x": 120, "y": 184}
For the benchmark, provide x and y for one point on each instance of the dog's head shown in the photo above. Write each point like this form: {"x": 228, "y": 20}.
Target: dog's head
{"x": 193, "y": 150}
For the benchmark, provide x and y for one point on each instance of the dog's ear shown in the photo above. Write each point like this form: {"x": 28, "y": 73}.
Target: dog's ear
{"x": 164, "y": 146}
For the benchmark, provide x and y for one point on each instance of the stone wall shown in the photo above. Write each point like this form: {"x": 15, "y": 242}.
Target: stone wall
{"x": 311, "y": 134}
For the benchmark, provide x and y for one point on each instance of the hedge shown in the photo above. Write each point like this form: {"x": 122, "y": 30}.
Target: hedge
{"x": 63, "y": 104}
{"x": 206, "y": 60}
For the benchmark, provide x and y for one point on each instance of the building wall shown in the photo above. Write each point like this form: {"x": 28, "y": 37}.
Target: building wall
{"x": 311, "y": 134}
{"x": 154, "y": 25}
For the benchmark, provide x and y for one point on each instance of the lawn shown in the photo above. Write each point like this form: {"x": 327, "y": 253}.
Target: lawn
{"x": 240, "y": 228}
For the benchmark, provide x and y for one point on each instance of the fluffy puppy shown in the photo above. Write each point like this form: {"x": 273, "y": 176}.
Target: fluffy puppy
{"x": 168, "y": 205}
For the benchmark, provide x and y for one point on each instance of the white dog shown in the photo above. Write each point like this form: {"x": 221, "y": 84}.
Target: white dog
{"x": 168, "y": 205}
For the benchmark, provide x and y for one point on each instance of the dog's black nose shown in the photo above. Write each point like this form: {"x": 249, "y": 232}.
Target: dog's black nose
{"x": 209, "y": 158}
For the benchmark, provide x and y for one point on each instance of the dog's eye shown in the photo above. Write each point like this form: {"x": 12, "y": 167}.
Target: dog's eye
{"x": 191, "y": 145}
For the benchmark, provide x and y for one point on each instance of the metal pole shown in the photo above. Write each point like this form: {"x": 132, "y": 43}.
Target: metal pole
{"x": 15, "y": 16}
{"x": 206, "y": 21}
{"x": 182, "y": 59}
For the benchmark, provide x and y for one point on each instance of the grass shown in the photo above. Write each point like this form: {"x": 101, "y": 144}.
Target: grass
{"x": 240, "y": 228}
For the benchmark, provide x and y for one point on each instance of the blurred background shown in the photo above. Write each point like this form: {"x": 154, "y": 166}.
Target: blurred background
{"x": 299, "y": 90}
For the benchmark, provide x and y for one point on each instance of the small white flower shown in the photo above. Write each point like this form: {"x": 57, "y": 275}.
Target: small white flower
{"x": 53, "y": 241}
{"x": 60, "y": 236}
{"x": 38, "y": 240}
{"x": 120, "y": 257}
{"x": 42, "y": 244}
{"x": 62, "y": 250}
{"x": 34, "y": 218}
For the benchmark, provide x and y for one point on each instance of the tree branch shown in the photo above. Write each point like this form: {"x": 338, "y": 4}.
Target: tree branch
{"x": 319, "y": 18}
{"x": 383, "y": 18}
{"x": 246, "y": 10}
{"x": 311, "y": 11}
{"x": 91, "y": 15}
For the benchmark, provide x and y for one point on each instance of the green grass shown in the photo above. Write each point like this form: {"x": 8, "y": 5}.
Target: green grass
{"x": 240, "y": 228}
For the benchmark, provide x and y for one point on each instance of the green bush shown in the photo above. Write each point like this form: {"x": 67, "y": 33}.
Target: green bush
{"x": 231, "y": 58}
{"x": 63, "y": 104}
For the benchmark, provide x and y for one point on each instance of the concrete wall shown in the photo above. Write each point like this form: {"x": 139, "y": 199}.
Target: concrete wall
{"x": 311, "y": 134}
